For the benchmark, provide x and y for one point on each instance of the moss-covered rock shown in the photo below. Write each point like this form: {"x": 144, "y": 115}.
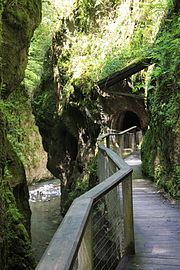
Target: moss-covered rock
{"x": 24, "y": 135}
{"x": 15, "y": 245}
{"x": 14, "y": 210}
{"x": 67, "y": 125}
{"x": 19, "y": 20}
{"x": 161, "y": 145}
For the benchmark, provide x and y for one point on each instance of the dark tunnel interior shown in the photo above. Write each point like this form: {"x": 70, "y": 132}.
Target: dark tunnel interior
{"x": 128, "y": 119}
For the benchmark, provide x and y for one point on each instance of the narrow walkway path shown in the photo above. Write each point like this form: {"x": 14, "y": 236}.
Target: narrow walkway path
{"x": 157, "y": 226}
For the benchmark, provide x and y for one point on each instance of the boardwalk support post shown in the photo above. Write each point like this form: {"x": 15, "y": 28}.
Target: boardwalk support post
{"x": 128, "y": 215}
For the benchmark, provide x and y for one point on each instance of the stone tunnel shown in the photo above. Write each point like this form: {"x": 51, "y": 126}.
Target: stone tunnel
{"x": 121, "y": 106}
{"x": 124, "y": 111}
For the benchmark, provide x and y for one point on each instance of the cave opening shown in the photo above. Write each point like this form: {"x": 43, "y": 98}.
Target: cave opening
{"x": 128, "y": 119}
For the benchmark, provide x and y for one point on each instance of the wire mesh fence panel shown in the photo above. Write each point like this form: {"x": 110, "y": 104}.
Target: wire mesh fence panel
{"x": 85, "y": 254}
{"x": 97, "y": 231}
{"x": 107, "y": 231}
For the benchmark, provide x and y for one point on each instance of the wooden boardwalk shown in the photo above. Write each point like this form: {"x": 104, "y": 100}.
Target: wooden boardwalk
{"x": 157, "y": 227}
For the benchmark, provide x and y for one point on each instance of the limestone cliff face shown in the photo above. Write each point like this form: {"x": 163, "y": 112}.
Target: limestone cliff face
{"x": 17, "y": 22}
{"x": 161, "y": 146}
{"x": 69, "y": 134}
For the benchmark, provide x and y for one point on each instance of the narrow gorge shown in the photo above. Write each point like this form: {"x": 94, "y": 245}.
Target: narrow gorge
{"x": 70, "y": 70}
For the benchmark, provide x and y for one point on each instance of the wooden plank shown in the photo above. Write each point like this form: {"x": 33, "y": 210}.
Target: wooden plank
{"x": 157, "y": 230}
{"x": 157, "y": 261}
{"x": 151, "y": 267}
{"x": 85, "y": 253}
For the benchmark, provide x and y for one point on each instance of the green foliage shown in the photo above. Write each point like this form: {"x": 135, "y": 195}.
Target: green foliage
{"x": 98, "y": 46}
{"x": 171, "y": 184}
{"x": 93, "y": 41}
{"x": 44, "y": 106}
{"x": 15, "y": 133}
{"x": 1, "y": 10}
{"x": 88, "y": 13}
{"x": 166, "y": 53}
{"x": 164, "y": 112}
{"x": 164, "y": 103}
{"x": 40, "y": 43}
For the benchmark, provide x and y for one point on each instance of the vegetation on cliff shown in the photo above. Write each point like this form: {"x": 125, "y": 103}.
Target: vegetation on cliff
{"x": 93, "y": 40}
{"x": 90, "y": 40}
{"x": 18, "y": 19}
{"x": 161, "y": 143}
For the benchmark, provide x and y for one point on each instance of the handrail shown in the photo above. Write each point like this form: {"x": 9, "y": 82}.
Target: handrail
{"x": 123, "y": 142}
{"x": 63, "y": 248}
{"x": 101, "y": 137}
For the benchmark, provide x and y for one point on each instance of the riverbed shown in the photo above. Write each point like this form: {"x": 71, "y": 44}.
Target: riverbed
{"x": 45, "y": 206}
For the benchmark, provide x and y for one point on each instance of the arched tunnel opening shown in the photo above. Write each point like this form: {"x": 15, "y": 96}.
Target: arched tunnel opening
{"x": 128, "y": 119}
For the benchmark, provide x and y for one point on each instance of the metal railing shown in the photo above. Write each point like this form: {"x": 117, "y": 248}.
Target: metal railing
{"x": 123, "y": 142}
{"x": 97, "y": 231}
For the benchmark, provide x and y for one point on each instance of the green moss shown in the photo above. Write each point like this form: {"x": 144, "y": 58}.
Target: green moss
{"x": 20, "y": 12}
{"x": 148, "y": 154}
{"x": 160, "y": 145}
{"x": 44, "y": 106}
{"x": 16, "y": 240}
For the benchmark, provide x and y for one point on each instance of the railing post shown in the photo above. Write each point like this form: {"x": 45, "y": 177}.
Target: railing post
{"x": 85, "y": 254}
{"x": 120, "y": 142}
{"x": 121, "y": 145}
{"x": 134, "y": 141}
{"x": 107, "y": 141}
{"x": 128, "y": 215}
{"x": 102, "y": 164}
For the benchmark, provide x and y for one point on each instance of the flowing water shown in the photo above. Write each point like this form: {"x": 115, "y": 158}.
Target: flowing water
{"x": 45, "y": 206}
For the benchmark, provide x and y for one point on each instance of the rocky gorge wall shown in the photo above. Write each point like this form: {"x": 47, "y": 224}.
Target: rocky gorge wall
{"x": 17, "y": 23}
{"x": 24, "y": 135}
{"x": 68, "y": 135}
{"x": 161, "y": 145}
{"x": 68, "y": 106}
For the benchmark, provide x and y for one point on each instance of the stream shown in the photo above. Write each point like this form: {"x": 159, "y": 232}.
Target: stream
{"x": 45, "y": 206}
